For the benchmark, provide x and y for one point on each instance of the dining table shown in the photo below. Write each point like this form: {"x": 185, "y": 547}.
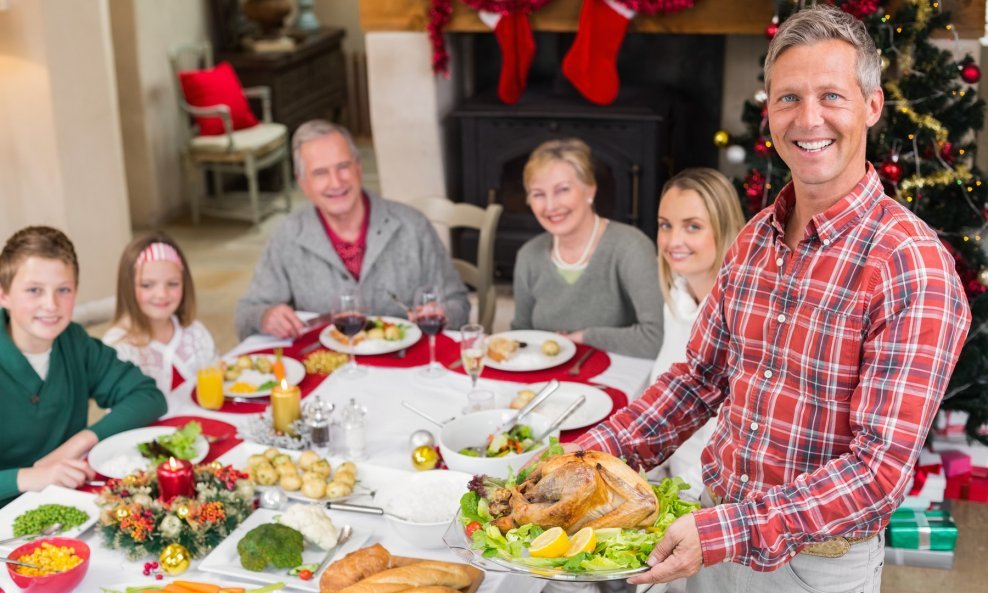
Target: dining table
{"x": 391, "y": 379}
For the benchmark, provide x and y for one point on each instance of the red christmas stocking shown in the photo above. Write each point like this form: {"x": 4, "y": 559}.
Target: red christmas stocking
{"x": 514, "y": 36}
{"x": 591, "y": 64}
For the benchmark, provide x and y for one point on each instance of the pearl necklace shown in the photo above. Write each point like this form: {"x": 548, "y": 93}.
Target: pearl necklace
{"x": 581, "y": 263}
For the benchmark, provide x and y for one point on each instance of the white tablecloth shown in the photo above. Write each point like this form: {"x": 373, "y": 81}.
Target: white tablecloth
{"x": 389, "y": 426}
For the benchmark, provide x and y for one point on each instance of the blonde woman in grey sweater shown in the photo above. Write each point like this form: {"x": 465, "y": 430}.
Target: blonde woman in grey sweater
{"x": 593, "y": 280}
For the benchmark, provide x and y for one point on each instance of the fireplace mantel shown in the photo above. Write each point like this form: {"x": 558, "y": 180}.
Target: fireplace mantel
{"x": 718, "y": 17}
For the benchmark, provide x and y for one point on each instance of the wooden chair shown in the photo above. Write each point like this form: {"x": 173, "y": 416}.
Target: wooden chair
{"x": 244, "y": 152}
{"x": 479, "y": 274}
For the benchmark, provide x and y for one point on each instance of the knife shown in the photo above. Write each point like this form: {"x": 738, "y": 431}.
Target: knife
{"x": 318, "y": 320}
{"x": 508, "y": 424}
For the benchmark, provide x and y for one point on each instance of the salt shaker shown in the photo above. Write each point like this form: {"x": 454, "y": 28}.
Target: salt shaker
{"x": 354, "y": 437}
{"x": 318, "y": 416}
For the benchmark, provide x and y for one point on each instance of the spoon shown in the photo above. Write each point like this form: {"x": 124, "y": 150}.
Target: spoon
{"x": 559, "y": 420}
{"x": 19, "y": 563}
{"x": 345, "y": 534}
{"x": 50, "y": 530}
{"x": 423, "y": 414}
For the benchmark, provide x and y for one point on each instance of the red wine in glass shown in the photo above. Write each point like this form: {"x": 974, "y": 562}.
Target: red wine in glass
{"x": 431, "y": 323}
{"x": 350, "y": 323}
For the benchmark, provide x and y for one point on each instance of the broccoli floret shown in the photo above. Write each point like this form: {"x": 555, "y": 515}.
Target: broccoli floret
{"x": 271, "y": 543}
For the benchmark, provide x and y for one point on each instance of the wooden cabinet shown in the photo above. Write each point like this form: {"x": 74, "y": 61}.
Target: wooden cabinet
{"x": 307, "y": 82}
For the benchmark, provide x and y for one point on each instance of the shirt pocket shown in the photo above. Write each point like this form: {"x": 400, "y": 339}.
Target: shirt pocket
{"x": 825, "y": 346}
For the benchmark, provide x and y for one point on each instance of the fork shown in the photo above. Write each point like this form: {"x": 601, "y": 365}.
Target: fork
{"x": 575, "y": 369}
{"x": 345, "y": 534}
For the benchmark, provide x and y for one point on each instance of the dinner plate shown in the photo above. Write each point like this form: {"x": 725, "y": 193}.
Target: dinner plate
{"x": 294, "y": 373}
{"x": 370, "y": 478}
{"x": 595, "y": 409}
{"x": 530, "y": 357}
{"x": 117, "y": 456}
{"x": 371, "y": 347}
{"x": 52, "y": 494}
{"x": 225, "y": 560}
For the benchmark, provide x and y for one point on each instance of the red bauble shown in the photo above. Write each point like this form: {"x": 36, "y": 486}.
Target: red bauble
{"x": 860, "y": 8}
{"x": 970, "y": 73}
{"x": 946, "y": 153}
{"x": 771, "y": 30}
{"x": 891, "y": 170}
{"x": 762, "y": 146}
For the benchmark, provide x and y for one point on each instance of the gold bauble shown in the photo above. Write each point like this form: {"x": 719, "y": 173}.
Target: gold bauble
{"x": 122, "y": 513}
{"x": 174, "y": 559}
{"x": 424, "y": 457}
{"x": 721, "y": 138}
{"x": 983, "y": 276}
{"x": 182, "y": 511}
{"x": 216, "y": 466}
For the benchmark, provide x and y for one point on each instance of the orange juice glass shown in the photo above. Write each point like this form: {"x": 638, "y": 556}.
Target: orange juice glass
{"x": 209, "y": 386}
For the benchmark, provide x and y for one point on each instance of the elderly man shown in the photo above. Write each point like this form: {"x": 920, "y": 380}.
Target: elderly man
{"x": 827, "y": 344}
{"x": 349, "y": 238}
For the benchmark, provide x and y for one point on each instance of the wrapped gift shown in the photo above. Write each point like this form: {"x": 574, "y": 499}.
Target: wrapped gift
{"x": 972, "y": 486}
{"x": 928, "y": 481}
{"x": 975, "y": 450}
{"x": 919, "y": 530}
{"x": 955, "y": 463}
{"x": 921, "y": 558}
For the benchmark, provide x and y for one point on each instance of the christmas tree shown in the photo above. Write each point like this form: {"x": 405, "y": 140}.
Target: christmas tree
{"x": 923, "y": 149}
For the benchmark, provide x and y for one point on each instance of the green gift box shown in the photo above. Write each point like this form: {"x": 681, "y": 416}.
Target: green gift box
{"x": 919, "y": 530}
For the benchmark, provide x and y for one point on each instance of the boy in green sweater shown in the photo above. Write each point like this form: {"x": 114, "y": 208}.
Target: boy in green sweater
{"x": 50, "y": 367}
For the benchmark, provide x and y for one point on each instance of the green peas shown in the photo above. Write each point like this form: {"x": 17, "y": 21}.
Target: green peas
{"x": 37, "y": 519}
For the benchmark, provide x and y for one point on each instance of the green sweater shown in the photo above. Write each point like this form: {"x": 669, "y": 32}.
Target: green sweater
{"x": 38, "y": 416}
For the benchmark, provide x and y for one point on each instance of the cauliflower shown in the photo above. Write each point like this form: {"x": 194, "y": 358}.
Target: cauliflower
{"x": 313, "y": 522}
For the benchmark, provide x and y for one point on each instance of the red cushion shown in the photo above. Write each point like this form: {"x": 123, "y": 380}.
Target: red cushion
{"x": 219, "y": 86}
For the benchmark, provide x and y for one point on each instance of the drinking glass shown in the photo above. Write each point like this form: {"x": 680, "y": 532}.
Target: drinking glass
{"x": 349, "y": 317}
{"x": 430, "y": 316}
{"x": 209, "y": 385}
{"x": 473, "y": 343}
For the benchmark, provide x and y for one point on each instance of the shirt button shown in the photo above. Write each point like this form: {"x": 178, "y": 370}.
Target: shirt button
{"x": 768, "y": 374}
{"x": 779, "y": 262}
{"x": 781, "y": 318}
{"x": 754, "y": 426}
{"x": 744, "y": 478}
{"x": 826, "y": 242}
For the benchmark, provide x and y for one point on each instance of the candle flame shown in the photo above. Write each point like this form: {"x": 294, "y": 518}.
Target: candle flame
{"x": 171, "y": 463}
{"x": 284, "y": 384}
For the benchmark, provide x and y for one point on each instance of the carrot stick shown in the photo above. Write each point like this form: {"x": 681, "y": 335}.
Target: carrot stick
{"x": 176, "y": 588}
{"x": 198, "y": 587}
{"x": 278, "y": 368}
{"x": 231, "y": 590}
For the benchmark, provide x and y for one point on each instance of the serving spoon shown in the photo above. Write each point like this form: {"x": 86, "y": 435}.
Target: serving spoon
{"x": 50, "y": 530}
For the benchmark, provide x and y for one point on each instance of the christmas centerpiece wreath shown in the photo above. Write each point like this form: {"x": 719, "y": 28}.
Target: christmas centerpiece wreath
{"x": 136, "y": 520}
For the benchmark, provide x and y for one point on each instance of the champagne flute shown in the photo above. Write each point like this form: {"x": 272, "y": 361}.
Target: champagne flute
{"x": 349, "y": 317}
{"x": 472, "y": 345}
{"x": 430, "y": 316}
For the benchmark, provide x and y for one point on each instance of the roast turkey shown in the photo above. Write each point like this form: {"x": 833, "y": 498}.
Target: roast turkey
{"x": 585, "y": 488}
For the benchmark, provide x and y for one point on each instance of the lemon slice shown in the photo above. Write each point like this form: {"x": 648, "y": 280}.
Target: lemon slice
{"x": 606, "y": 533}
{"x": 551, "y": 544}
{"x": 583, "y": 540}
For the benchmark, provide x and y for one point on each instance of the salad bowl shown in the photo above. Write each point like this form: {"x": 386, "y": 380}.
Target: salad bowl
{"x": 471, "y": 430}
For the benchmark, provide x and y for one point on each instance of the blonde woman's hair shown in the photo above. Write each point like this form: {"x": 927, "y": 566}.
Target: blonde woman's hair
{"x": 569, "y": 150}
{"x": 139, "y": 326}
{"x": 720, "y": 198}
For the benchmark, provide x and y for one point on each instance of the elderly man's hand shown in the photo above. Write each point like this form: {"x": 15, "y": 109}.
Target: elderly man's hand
{"x": 281, "y": 321}
{"x": 677, "y": 555}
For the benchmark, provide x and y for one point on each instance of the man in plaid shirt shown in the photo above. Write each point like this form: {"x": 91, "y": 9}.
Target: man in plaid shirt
{"x": 826, "y": 345}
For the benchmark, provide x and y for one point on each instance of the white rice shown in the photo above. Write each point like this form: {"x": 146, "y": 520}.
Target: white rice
{"x": 124, "y": 464}
{"x": 431, "y": 497}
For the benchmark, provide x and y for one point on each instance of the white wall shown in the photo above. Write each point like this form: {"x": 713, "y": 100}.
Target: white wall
{"x": 61, "y": 160}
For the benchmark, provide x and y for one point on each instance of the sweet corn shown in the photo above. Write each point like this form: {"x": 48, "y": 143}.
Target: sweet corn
{"x": 50, "y": 558}
{"x": 242, "y": 387}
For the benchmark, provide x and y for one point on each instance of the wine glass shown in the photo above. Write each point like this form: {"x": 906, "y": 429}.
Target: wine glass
{"x": 349, "y": 317}
{"x": 430, "y": 316}
{"x": 472, "y": 345}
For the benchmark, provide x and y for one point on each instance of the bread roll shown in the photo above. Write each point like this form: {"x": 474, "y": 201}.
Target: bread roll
{"x": 431, "y": 589}
{"x": 353, "y": 567}
{"x": 420, "y": 574}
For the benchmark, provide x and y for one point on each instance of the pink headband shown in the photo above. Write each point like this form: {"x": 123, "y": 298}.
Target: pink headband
{"x": 159, "y": 252}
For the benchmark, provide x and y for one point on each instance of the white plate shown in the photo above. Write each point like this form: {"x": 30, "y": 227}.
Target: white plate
{"x": 117, "y": 456}
{"x": 372, "y": 347}
{"x": 52, "y": 494}
{"x": 595, "y": 409}
{"x": 294, "y": 373}
{"x": 531, "y": 358}
{"x": 225, "y": 560}
{"x": 370, "y": 478}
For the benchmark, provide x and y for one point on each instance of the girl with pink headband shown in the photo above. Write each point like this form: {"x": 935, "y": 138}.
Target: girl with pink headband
{"x": 155, "y": 324}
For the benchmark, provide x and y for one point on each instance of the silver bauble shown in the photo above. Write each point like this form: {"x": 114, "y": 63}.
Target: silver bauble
{"x": 274, "y": 499}
{"x": 761, "y": 96}
{"x": 735, "y": 154}
{"x": 421, "y": 438}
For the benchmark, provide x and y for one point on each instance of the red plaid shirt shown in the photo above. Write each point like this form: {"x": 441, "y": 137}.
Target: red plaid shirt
{"x": 827, "y": 365}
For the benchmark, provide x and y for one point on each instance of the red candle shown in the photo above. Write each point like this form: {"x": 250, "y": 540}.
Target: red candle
{"x": 175, "y": 479}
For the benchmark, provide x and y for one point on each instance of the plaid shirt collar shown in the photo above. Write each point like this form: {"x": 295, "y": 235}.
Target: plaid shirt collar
{"x": 842, "y": 215}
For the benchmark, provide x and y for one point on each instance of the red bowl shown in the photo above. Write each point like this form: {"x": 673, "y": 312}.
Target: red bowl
{"x": 60, "y": 582}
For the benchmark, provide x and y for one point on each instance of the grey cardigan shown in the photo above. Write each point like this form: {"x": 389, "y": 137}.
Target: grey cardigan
{"x": 616, "y": 301}
{"x": 300, "y": 267}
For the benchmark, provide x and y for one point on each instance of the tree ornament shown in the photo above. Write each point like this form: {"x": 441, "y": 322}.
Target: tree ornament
{"x": 174, "y": 559}
{"x": 735, "y": 154}
{"x": 885, "y": 63}
{"x": 946, "y": 152}
{"x": 122, "y": 513}
{"x": 424, "y": 458}
{"x": 970, "y": 73}
{"x": 891, "y": 170}
{"x": 763, "y": 146}
{"x": 772, "y": 28}
{"x": 983, "y": 277}
{"x": 761, "y": 96}
{"x": 721, "y": 138}
{"x": 182, "y": 511}
{"x": 274, "y": 499}
{"x": 421, "y": 438}
{"x": 860, "y": 9}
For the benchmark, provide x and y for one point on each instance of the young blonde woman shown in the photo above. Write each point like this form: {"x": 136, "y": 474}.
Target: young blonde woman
{"x": 699, "y": 217}
{"x": 589, "y": 278}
